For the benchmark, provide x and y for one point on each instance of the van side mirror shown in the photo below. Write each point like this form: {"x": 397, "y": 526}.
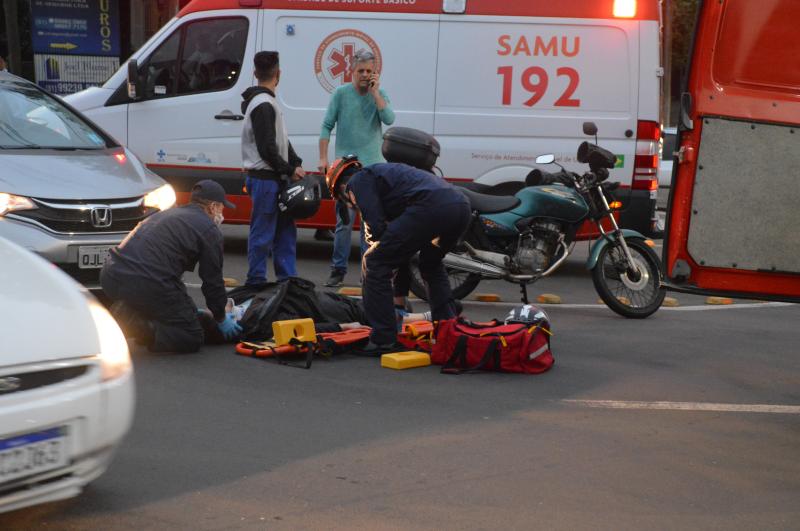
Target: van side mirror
{"x": 589, "y": 128}
{"x": 546, "y": 159}
{"x": 135, "y": 85}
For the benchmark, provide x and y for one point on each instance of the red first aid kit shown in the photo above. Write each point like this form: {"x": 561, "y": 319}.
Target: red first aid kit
{"x": 462, "y": 346}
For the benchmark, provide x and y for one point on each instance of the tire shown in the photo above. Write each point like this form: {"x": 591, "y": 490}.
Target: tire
{"x": 461, "y": 283}
{"x": 634, "y": 300}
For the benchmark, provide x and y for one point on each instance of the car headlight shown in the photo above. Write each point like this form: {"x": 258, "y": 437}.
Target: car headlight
{"x": 11, "y": 202}
{"x": 161, "y": 198}
{"x": 115, "y": 359}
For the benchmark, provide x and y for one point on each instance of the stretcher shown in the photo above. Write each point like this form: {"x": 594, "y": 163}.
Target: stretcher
{"x": 414, "y": 335}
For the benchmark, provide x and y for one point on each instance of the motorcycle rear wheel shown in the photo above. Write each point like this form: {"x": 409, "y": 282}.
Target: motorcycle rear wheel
{"x": 461, "y": 282}
{"x": 631, "y": 298}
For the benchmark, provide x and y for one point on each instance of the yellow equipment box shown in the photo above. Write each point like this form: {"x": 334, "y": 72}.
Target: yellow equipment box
{"x": 405, "y": 360}
{"x": 302, "y": 329}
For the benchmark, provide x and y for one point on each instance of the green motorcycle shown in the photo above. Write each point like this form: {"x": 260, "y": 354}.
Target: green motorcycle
{"x": 527, "y": 236}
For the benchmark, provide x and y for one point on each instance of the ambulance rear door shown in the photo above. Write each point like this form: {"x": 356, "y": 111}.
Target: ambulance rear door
{"x": 732, "y": 221}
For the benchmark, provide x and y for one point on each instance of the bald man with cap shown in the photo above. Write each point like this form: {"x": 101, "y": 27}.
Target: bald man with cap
{"x": 144, "y": 275}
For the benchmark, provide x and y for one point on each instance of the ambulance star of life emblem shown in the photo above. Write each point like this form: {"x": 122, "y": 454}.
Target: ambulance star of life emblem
{"x": 333, "y": 61}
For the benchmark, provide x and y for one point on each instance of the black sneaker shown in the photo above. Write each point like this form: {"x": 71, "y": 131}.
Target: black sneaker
{"x": 374, "y": 350}
{"x": 335, "y": 280}
{"x": 323, "y": 235}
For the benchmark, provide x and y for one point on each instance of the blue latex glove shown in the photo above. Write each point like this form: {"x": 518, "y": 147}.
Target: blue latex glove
{"x": 230, "y": 329}
{"x": 399, "y": 314}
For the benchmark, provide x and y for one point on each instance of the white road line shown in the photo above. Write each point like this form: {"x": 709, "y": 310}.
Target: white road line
{"x": 703, "y": 308}
{"x": 687, "y": 406}
{"x": 662, "y": 309}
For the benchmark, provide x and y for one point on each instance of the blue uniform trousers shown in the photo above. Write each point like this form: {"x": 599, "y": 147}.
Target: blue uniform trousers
{"x": 271, "y": 233}
{"x": 431, "y": 228}
{"x": 171, "y": 312}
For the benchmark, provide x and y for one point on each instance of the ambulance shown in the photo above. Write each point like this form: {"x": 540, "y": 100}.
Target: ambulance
{"x": 732, "y": 218}
{"x": 496, "y": 82}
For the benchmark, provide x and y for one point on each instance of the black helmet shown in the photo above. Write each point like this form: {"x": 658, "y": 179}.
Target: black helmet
{"x": 528, "y": 314}
{"x": 300, "y": 199}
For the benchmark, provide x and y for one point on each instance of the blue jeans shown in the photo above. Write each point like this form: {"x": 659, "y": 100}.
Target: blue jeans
{"x": 271, "y": 233}
{"x": 342, "y": 242}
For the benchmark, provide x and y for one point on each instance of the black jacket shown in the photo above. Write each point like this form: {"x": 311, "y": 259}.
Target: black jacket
{"x": 294, "y": 298}
{"x": 168, "y": 243}
{"x": 384, "y": 191}
{"x": 263, "y": 119}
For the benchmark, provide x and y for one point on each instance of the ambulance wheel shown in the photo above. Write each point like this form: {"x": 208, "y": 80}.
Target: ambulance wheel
{"x": 461, "y": 283}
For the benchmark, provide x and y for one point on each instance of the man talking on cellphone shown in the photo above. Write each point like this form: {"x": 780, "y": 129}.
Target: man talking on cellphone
{"x": 357, "y": 110}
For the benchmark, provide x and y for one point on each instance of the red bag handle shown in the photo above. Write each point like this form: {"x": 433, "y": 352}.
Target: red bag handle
{"x": 459, "y": 357}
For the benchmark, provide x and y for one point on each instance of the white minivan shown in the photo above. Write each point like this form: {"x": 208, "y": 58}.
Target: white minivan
{"x": 497, "y": 83}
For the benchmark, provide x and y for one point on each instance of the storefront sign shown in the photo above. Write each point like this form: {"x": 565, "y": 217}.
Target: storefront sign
{"x": 75, "y": 27}
{"x": 65, "y": 74}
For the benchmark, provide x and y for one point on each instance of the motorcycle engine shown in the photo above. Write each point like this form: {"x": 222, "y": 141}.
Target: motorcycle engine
{"x": 537, "y": 247}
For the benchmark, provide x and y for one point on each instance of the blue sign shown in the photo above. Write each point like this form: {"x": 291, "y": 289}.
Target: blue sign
{"x": 65, "y": 74}
{"x": 75, "y": 27}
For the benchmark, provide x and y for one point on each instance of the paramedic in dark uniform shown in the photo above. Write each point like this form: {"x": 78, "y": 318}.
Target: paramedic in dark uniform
{"x": 268, "y": 158}
{"x": 406, "y": 210}
{"x": 143, "y": 275}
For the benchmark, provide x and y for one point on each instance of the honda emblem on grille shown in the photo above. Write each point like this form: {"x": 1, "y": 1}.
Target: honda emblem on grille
{"x": 101, "y": 217}
{"x": 9, "y": 383}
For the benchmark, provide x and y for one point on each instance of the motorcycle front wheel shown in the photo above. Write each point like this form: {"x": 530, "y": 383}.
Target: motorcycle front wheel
{"x": 627, "y": 295}
{"x": 461, "y": 282}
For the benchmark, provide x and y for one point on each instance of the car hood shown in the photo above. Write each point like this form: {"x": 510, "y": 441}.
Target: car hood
{"x": 89, "y": 98}
{"x": 54, "y": 174}
{"x": 45, "y": 315}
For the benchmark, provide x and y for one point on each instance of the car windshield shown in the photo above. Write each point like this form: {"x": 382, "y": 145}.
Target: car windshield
{"x": 31, "y": 119}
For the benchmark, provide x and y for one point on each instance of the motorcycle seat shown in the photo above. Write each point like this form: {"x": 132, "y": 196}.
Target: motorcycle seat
{"x": 490, "y": 204}
{"x": 504, "y": 188}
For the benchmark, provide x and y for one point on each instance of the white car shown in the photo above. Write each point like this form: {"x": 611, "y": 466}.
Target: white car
{"x": 66, "y": 382}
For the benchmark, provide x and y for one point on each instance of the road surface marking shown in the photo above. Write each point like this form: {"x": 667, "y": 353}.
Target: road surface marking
{"x": 704, "y": 308}
{"x": 687, "y": 406}
{"x": 662, "y": 309}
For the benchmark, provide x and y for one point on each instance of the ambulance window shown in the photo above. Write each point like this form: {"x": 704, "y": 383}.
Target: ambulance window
{"x": 212, "y": 55}
{"x": 161, "y": 68}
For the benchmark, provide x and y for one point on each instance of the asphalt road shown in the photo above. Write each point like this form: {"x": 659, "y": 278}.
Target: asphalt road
{"x": 227, "y": 442}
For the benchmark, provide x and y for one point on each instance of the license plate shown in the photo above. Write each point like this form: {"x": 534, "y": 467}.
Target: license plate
{"x": 33, "y": 453}
{"x": 92, "y": 256}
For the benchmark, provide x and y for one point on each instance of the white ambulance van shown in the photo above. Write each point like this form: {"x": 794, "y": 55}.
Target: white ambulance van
{"x": 497, "y": 83}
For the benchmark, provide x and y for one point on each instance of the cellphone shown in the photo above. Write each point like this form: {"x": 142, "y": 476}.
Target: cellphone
{"x": 372, "y": 82}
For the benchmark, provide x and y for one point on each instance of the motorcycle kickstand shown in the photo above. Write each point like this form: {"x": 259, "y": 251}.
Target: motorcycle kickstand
{"x": 523, "y": 288}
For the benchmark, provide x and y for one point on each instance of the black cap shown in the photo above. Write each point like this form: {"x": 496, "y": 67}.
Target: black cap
{"x": 210, "y": 191}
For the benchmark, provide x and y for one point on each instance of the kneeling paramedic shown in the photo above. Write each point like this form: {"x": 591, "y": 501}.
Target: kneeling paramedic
{"x": 143, "y": 275}
{"x": 406, "y": 211}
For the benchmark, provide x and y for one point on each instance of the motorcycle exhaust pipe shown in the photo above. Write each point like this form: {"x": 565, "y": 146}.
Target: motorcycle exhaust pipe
{"x": 464, "y": 263}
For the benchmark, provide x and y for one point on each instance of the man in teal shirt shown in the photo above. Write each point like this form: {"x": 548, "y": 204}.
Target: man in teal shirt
{"x": 357, "y": 111}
